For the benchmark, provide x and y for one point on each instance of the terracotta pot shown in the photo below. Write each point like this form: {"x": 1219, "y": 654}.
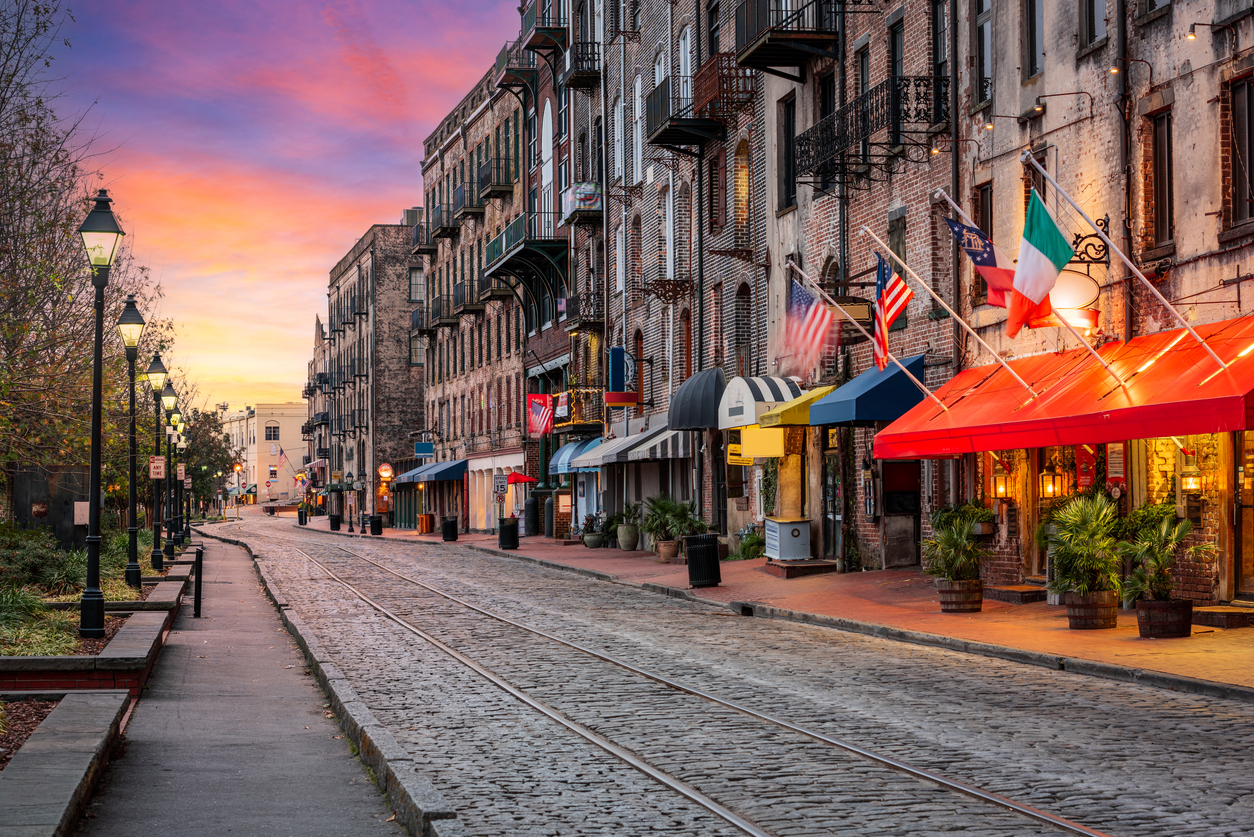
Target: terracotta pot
{"x": 1097, "y": 610}
{"x": 667, "y": 550}
{"x": 593, "y": 541}
{"x": 965, "y": 596}
{"x": 628, "y": 536}
{"x": 1164, "y": 620}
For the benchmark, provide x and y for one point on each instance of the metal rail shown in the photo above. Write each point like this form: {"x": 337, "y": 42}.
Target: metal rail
{"x": 887, "y": 761}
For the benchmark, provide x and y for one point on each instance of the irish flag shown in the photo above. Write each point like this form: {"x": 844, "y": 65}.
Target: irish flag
{"x": 1043, "y": 253}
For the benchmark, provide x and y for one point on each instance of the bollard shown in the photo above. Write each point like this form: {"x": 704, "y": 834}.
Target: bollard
{"x": 200, "y": 563}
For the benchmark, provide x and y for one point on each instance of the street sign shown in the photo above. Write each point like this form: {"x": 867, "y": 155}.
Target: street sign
{"x": 187, "y": 483}
{"x": 182, "y": 471}
{"x": 423, "y": 450}
{"x": 156, "y": 467}
{"x": 500, "y": 483}
{"x": 267, "y": 483}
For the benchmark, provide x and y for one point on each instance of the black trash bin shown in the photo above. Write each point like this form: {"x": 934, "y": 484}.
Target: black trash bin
{"x": 702, "y": 552}
{"x": 376, "y": 524}
{"x": 448, "y": 528}
{"x": 335, "y": 522}
{"x": 302, "y": 517}
{"x": 507, "y": 534}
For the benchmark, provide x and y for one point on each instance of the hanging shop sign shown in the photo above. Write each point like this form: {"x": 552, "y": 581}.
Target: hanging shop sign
{"x": 1116, "y": 467}
{"x": 734, "y": 456}
{"x": 1085, "y": 466}
{"x": 562, "y": 405}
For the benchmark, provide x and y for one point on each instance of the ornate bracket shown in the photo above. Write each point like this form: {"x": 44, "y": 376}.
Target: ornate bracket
{"x": 669, "y": 291}
{"x": 1090, "y": 249}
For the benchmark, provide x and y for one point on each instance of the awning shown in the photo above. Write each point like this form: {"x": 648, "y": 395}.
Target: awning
{"x": 411, "y": 475}
{"x": 746, "y": 399}
{"x": 872, "y": 396}
{"x": 233, "y": 492}
{"x": 694, "y": 406}
{"x": 517, "y": 477}
{"x": 560, "y": 463}
{"x": 615, "y": 450}
{"x": 317, "y": 463}
{"x": 1174, "y": 388}
{"x": 452, "y": 470}
{"x": 794, "y": 412}
{"x": 673, "y": 444}
{"x": 252, "y": 489}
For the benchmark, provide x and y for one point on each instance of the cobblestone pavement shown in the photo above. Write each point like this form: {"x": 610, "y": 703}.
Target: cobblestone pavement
{"x": 1122, "y": 758}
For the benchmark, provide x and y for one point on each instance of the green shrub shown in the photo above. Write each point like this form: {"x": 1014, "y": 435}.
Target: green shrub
{"x": 752, "y": 546}
{"x": 972, "y": 510}
{"x": 953, "y": 552}
{"x": 1084, "y": 553}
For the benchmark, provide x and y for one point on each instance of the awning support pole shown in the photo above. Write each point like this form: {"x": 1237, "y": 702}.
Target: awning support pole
{"x": 1028, "y": 159}
{"x": 815, "y": 285}
{"x": 940, "y": 193}
{"x": 925, "y": 286}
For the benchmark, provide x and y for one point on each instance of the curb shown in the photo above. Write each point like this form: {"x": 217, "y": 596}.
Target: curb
{"x": 418, "y": 804}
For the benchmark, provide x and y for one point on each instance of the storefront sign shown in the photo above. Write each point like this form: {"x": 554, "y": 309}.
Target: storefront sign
{"x": 734, "y": 457}
{"x": 1085, "y": 466}
{"x": 562, "y": 408}
{"x": 1115, "y": 469}
{"x": 833, "y": 439}
{"x": 337, "y": 476}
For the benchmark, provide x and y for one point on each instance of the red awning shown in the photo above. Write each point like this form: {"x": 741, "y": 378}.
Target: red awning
{"x": 1174, "y": 388}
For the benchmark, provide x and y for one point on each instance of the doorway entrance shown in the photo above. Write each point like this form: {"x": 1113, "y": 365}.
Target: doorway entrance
{"x": 1243, "y": 588}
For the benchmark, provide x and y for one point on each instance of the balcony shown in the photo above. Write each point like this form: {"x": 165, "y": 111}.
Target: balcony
{"x": 582, "y": 203}
{"x": 776, "y": 33}
{"x": 494, "y": 179}
{"x": 583, "y": 66}
{"x": 670, "y": 120}
{"x": 722, "y": 87}
{"x": 515, "y": 68}
{"x": 543, "y": 26}
{"x": 583, "y": 407}
{"x": 846, "y": 145}
{"x": 442, "y": 315}
{"x": 466, "y": 200}
{"x": 443, "y": 223}
{"x": 420, "y": 241}
{"x": 418, "y": 322}
{"x": 492, "y": 288}
{"x": 306, "y": 432}
{"x": 530, "y": 250}
{"x": 464, "y": 299}
{"x": 584, "y": 312}
{"x": 319, "y": 418}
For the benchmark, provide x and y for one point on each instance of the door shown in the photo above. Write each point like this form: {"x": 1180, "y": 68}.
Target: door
{"x": 833, "y": 508}
{"x": 720, "y": 483}
{"x": 902, "y": 509}
{"x": 1244, "y": 565}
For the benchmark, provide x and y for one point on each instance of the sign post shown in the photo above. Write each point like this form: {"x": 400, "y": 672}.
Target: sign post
{"x": 500, "y": 486}
{"x": 156, "y": 467}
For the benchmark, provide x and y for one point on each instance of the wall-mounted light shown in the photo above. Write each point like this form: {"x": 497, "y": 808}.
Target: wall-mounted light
{"x": 1190, "y": 477}
{"x": 1051, "y": 481}
{"x": 1000, "y": 488}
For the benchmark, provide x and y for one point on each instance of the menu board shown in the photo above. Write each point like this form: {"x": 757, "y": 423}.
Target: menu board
{"x": 1115, "y": 463}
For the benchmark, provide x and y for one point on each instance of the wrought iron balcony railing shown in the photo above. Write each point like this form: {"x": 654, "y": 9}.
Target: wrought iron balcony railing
{"x": 466, "y": 200}
{"x": 582, "y": 202}
{"x": 897, "y": 105}
{"x": 721, "y": 87}
{"x": 320, "y": 418}
{"x": 492, "y": 287}
{"x": 585, "y": 310}
{"x": 418, "y": 320}
{"x": 459, "y": 297}
{"x": 494, "y": 178}
{"x": 541, "y": 21}
{"x": 442, "y": 311}
{"x": 534, "y": 226}
{"x": 443, "y": 222}
{"x": 420, "y": 240}
{"x": 583, "y": 65}
{"x": 671, "y": 99}
{"x": 515, "y": 66}
{"x": 755, "y": 18}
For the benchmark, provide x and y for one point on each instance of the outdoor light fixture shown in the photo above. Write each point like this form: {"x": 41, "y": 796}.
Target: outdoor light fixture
{"x": 156, "y": 375}
{"x": 1190, "y": 476}
{"x": 130, "y": 324}
{"x": 175, "y": 418}
{"x": 168, "y": 397}
{"x": 999, "y": 481}
{"x": 100, "y": 232}
{"x": 1192, "y": 35}
{"x": 1051, "y": 482}
{"x": 131, "y": 328}
{"x": 1114, "y": 67}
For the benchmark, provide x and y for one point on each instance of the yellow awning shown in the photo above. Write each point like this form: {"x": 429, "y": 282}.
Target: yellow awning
{"x": 759, "y": 441}
{"x": 794, "y": 412}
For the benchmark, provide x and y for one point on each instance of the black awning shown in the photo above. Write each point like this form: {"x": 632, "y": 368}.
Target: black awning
{"x": 694, "y": 406}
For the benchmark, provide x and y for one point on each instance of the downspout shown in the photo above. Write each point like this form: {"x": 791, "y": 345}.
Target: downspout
{"x": 1122, "y": 98}
{"x": 955, "y": 367}
{"x": 699, "y": 199}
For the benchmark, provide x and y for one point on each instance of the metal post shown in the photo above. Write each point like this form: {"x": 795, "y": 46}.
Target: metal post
{"x": 157, "y": 489}
{"x": 200, "y": 564}
{"x": 132, "y": 530}
{"x": 92, "y": 605}
{"x": 169, "y": 501}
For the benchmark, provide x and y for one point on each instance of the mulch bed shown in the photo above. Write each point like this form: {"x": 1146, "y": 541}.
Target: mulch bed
{"x": 87, "y": 647}
{"x": 20, "y": 719}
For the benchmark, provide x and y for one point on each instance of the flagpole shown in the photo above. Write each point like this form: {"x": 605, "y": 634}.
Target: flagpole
{"x": 966, "y": 219}
{"x": 793, "y": 265}
{"x": 1029, "y": 159}
{"x": 951, "y": 311}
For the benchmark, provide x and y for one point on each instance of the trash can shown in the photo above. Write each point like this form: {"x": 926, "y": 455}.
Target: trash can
{"x": 335, "y": 522}
{"x": 702, "y": 553}
{"x": 302, "y": 517}
{"x": 448, "y": 528}
{"x": 376, "y": 524}
{"x": 270, "y": 510}
{"x": 531, "y": 516}
{"x": 507, "y": 537}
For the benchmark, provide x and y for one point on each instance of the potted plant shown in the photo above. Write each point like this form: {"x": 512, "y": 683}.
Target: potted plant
{"x": 1153, "y": 552}
{"x": 953, "y": 556}
{"x": 662, "y": 519}
{"x": 628, "y": 527}
{"x": 592, "y": 536}
{"x": 973, "y": 510}
{"x": 1086, "y": 562}
{"x": 609, "y": 530}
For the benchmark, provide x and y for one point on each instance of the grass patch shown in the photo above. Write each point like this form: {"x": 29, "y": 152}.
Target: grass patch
{"x": 50, "y": 633}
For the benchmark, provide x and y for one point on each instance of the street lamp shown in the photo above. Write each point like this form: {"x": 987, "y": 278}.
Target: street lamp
{"x": 101, "y": 234}
{"x": 169, "y": 493}
{"x": 239, "y": 489}
{"x": 131, "y": 327}
{"x": 181, "y": 520}
{"x": 157, "y": 376}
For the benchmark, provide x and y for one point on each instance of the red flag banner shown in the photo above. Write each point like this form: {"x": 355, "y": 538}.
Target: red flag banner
{"x": 539, "y": 414}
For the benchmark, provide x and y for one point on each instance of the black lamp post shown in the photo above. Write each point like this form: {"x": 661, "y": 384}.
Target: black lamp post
{"x": 169, "y": 400}
{"x": 157, "y": 379}
{"x": 131, "y": 326}
{"x": 101, "y": 234}
{"x": 183, "y": 492}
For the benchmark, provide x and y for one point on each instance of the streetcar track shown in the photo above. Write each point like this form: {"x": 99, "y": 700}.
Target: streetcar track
{"x": 894, "y": 764}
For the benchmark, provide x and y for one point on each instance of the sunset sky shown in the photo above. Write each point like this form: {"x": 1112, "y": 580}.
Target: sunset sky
{"x": 248, "y": 145}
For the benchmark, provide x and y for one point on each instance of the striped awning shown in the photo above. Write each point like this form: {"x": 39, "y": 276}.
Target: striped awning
{"x": 673, "y": 444}
{"x": 615, "y": 450}
{"x": 746, "y": 399}
{"x": 561, "y": 461}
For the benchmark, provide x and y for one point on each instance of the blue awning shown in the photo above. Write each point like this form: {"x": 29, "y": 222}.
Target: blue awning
{"x": 452, "y": 470}
{"x": 412, "y": 476}
{"x": 872, "y": 396}
{"x": 560, "y": 463}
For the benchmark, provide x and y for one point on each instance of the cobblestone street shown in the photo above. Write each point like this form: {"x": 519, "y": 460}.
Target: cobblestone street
{"x": 1119, "y": 758}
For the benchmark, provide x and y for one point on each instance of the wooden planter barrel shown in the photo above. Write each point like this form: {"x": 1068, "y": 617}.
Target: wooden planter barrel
{"x": 1164, "y": 620}
{"x": 1099, "y": 609}
{"x": 960, "y": 596}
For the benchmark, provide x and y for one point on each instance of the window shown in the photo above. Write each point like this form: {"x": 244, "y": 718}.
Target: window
{"x": 984, "y": 220}
{"x": 788, "y": 162}
{"x": 619, "y": 147}
{"x": 272, "y": 433}
{"x": 685, "y": 67}
{"x": 1241, "y": 173}
{"x": 897, "y": 243}
{"x": 863, "y": 59}
{"x": 712, "y": 27}
{"x": 1164, "y": 227}
{"x": 896, "y": 70}
{"x": 620, "y": 259}
{"x": 1092, "y": 21}
{"x": 983, "y": 15}
{"x": 561, "y": 109}
{"x": 517, "y": 144}
{"x": 461, "y": 351}
{"x": 718, "y": 191}
{"x": 533, "y": 154}
{"x": 637, "y": 359}
{"x": 415, "y": 284}
{"x": 1034, "y": 36}
{"x": 274, "y": 472}
{"x": 637, "y": 135}
{"x": 685, "y": 326}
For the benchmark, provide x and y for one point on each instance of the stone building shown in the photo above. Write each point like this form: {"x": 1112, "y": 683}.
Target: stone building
{"x": 270, "y": 437}
{"x": 316, "y": 431}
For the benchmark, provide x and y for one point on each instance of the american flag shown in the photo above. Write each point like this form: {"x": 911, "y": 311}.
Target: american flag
{"x": 282, "y": 458}
{"x": 809, "y": 321}
{"x": 539, "y": 414}
{"x": 891, "y": 297}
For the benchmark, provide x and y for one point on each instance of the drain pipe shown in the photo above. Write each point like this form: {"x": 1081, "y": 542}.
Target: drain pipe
{"x": 1122, "y": 98}
{"x": 699, "y": 200}
{"x": 952, "y": 465}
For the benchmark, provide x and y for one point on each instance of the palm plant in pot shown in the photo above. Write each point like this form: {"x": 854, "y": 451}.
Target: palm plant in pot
{"x": 592, "y": 536}
{"x": 662, "y": 521}
{"x": 1154, "y": 552}
{"x": 1086, "y": 563}
{"x": 629, "y": 527}
{"x": 953, "y": 556}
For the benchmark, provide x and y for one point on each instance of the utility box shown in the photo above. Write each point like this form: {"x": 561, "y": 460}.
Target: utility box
{"x": 787, "y": 538}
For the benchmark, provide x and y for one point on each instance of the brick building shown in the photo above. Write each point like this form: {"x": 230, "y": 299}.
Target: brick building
{"x": 316, "y": 431}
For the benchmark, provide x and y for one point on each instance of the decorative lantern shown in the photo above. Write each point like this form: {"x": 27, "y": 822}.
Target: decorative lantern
{"x": 1051, "y": 482}
{"x": 1190, "y": 477}
{"x": 1000, "y": 489}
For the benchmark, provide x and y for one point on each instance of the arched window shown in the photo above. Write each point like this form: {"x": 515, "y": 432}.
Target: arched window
{"x": 637, "y": 134}
{"x": 741, "y": 194}
{"x": 743, "y": 330}
{"x": 685, "y": 344}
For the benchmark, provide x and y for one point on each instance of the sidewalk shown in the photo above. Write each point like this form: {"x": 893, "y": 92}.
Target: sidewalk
{"x": 230, "y": 735}
{"x": 905, "y": 601}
